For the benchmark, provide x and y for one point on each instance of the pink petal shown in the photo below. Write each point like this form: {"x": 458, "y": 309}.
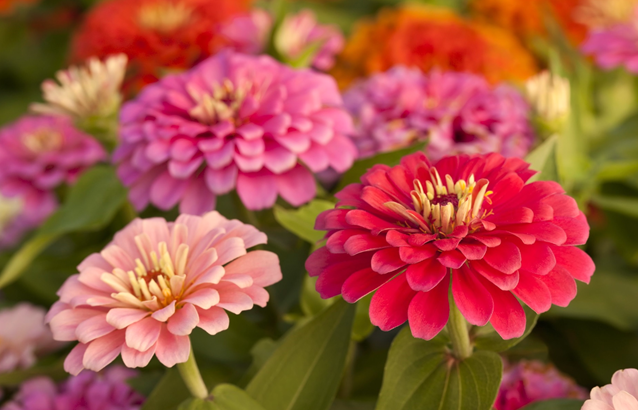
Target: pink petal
{"x": 213, "y": 320}
{"x": 183, "y": 321}
{"x": 508, "y": 318}
{"x": 389, "y": 305}
{"x": 204, "y": 298}
{"x": 561, "y": 285}
{"x": 103, "y": 351}
{"x": 166, "y": 191}
{"x": 537, "y": 258}
{"x": 133, "y": 358}
{"x": 143, "y": 334}
{"x": 64, "y": 324}
{"x": 505, "y": 258}
{"x": 172, "y": 349}
{"x": 93, "y": 328}
{"x": 429, "y": 312}
{"x": 262, "y": 266}
{"x": 234, "y": 300}
{"x": 471, "y": 297}
{"x": 362, "y": 283}
{"x": 577, "y": 262}
{"x": 257, "y": 190}
{"x": 533, "y": 292}
{"x": 386, "y": 260}
{"x": 123, "y": 317}
{"x": 73, "y": 362}
{"x": 221, "y": 181}
{"x": 296, "y": 186}
{"x": 576, "y": 229}
{"x": 501, "y": 280}
{"x": 426, "y": 275}
{"x": 165, "y": 313}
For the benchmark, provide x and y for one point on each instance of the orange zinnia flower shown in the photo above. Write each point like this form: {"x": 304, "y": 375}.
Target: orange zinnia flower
{"x": 156, "y": 35}
{"x": 427, "y": 37}
{"x": 529, "y": 18}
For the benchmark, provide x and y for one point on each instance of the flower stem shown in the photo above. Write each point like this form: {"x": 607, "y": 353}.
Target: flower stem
{"x": 192, "y": 378}
{"x": 459, "y": 335}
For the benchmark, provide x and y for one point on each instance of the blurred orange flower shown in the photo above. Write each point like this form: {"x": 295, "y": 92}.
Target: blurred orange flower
{"x": 7, "y": 6}
{"x": 427, "y": 37}
{"x": 156, "y": 35}
{"x": 527, "y": 18}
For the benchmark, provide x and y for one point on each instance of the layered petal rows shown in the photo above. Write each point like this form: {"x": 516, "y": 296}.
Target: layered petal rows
{"x": 146, "y": 292}
{"x": 232, "y": 121}
{"x": 467, "y": 223}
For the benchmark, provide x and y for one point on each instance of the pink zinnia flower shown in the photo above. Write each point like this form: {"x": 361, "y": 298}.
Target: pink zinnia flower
{"x": 530, "y": 381}
{"x": 145, "y": 292}
{"x": 87, "y": 391}
{"x": 453, "y": 112}
{"x": 406, "y": 232}
{"x": 297, "y": 34}
{"x": 233, "y": 121}
{"x": 23, "y": 336}
{"x": 38, "y": 154}
{"x": 615, "y": 46}
{"x": 621, "y": 394}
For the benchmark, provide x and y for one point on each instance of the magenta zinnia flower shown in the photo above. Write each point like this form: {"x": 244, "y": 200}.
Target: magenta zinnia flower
{"x": 530, "y": 381}
{"x": 410, "y": 230}
{"x": 87, "y": 391}
{"x": 233, "y": 121}
{"x": 145, "y": 292}
{"x": 615, "y": 46}
{"x": 621, "y": 394}
{"x": 453, "y": 112}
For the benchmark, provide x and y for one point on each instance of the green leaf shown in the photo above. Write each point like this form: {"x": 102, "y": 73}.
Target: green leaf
{"x": 310, "y": 301}
{"x": 301, "y": 221}
{"x": 486, "y": 337}
{"x": 223, "y": 397}
{"x": 617, "y": 170}
{"x": 423, "y": 375}
{"x": 92, "y": 203}
{"x": 362, "y": 326}
{"x": 624, "y": 205}
{"x": 169, "y": 392}
{"x": 542, "y": 159}
{"x": 305, "y": 370}
{"x": 555, "y": 404}
{"x": 391, "y": 158}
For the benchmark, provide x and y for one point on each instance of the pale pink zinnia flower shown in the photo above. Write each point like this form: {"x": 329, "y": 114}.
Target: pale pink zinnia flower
{"x": 146, "y": 291}
{"x": 530, "y": 381}
{"x": 232, "y": 121}
{"x": 454, "y": 112}
{"x": 23, "y": 336}
{"x": 615, "y": 46}
{"x": 38, "y": 154}
{"x": 621, "y": 394}
{"x": 87, "y": 391}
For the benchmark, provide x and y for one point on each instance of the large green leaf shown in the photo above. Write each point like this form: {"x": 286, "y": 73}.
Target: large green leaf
{"x": 423, "y": 375}
{"x": 305, "y": 370}
{"x": 301, "y": 221}
{"x": 92, "y": 203}
{"x": 542, "y": 159}
{"x": 169, "y": 392}
{"x": 486, "y": 338}
{"x": 223, "y": 397}
{"x": 624, "y": 205}
{"x": 555, "y": 404}
{"x": 392, "y": 158}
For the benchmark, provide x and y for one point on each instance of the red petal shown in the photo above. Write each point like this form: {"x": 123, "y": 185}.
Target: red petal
{"x": 506, "y": 189}
{"x": 376, "y": 198}
{"x": 537, "y": 258}
{"x": 332, "y": 277}
{"x": 501, "y": 280}
{"x": 576, "y": 229}
{"x": 361, "y": 283}
{"x": 412, "y": 255}
{"x": 447, "y": 244}
{"x": 420, "y": 239}
{"x": 321, "y": 259}
{"x": 472, "y": 250}
{"x": 365, "y": 242}
{"x": 564, "y": 206}
{"x": 489, "y": 241}
{"x": 350, "y": 196}
{"x": 429, "y": 312}
{"x": 426, "y": 275}
{"x": 337, "y": 240}
{"x": 534, "y": 191}
{"x": 542, "y": 231}
{"x": 471, "y": 297}
{"x": 533, "y": 292}
{"x": 512, "y": 216}
{"x": 367, "y": 220}
{"x": 505, "y": 258}
{"x": 332, "y": 219}
{"x": 389, "y": 305}
{"x": 387, "y": 260}
{"x": 576, "y": 261}
{"x": 452, "y": 259}
{"x": 561, "y": 285}
{"x": 542, "y": 212}
{"x": 396, "y": 238}
{"x": 508, "y": 318}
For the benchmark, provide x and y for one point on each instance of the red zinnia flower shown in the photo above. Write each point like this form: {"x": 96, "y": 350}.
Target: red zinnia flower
{"x": 410, "y": 230}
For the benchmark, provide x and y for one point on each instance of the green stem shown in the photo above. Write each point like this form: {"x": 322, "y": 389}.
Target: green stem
{"x": 347, "y": 382}
{"x": 192, "y": 377}
{"x": 459, "y": 335}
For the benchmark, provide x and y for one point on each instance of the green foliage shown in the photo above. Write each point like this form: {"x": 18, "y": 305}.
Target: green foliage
{"x": 424, "y": 375}
{"x": 302, "y": 374}
{"x": 223, "y": 397}
{"x": 543, "y": 160}
{"x": 301, "y": 221}
{"x": 486, "y": 338}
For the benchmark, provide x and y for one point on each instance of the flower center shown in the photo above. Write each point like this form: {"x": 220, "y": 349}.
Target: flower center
{"x": 223, "y": 103}
{"x": 42, "y": 140}
{"x": 442, "y": 206}
{"x": 9, "y": 209}
{"x": 164, "y": 17}
{"x": 152, "y": 277}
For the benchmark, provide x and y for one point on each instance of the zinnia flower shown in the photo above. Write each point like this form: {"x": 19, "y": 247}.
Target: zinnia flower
{"x": 428, "y": 38}
{"x": 155, "y": 34}
{"x": 454, "y": 112}
{"x": 406, "y": 232}
{"x": 297, "y": 35}
{"x": 621, "y": 394}
{"x": 528, "y": 19}
{"x": 530, "y": 381}
{"x": 233, "y": 121}
{"x": 146, "y": 291}
{"x": 615, "y": 46}
{"x": 23, "y": 337}
{"x": 87, "y": 391}
{"x": 38, "y": 154}
{"x": 89, "y": 91}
